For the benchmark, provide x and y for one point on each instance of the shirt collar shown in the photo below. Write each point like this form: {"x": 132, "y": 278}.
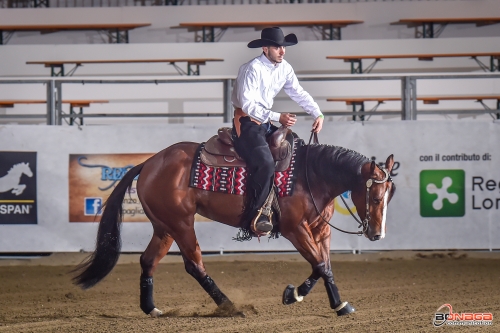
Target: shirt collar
{"x": 267, "y": 62}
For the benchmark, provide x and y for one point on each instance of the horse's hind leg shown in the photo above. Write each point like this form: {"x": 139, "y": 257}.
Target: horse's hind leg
{"x": 156, "y": 250}
{"x": 191, "y": 253}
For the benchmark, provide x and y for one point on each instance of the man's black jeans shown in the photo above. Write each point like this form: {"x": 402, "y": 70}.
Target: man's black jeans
{"x": 253, "y": 147}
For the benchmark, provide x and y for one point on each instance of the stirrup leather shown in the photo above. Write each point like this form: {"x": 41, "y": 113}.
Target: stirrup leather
{"x": 265, "y": 210}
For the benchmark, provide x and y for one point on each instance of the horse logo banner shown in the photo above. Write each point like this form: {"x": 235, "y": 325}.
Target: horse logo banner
{"x": 18, "y": 188}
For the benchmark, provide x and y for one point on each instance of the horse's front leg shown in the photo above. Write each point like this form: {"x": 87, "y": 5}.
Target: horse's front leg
{"x": 302, "y": 238}
{"x": 315, "y": 248}
{"x": 322, "y": 235}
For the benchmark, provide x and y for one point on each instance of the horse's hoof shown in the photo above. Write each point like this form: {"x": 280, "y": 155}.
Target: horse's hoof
{"x": 155, "y": 313}
{"x": 227, "y": 306}
{"x": 344, "y": 309}
{"x": 291, "y": 296}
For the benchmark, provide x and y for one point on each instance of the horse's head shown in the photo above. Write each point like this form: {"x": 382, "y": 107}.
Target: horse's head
{"x": 24, "y": 168}
{"x": 371, "y": 197}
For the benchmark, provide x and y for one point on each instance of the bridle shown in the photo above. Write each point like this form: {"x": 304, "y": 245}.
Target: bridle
{"x": 369, "y": 183}
{"x": 368, "y": 217}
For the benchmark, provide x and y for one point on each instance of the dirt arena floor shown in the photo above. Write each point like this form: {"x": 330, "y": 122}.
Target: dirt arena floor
{"x": 392, "y": 292}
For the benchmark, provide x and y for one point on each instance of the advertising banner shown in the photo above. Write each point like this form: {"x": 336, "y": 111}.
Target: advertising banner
{"x": 18, "y": 202}
{"x": 92, "y": 178}
{"x": 447, "y": 185}
{"x": 446, "y": 176}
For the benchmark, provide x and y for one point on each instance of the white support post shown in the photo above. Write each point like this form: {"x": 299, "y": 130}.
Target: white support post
{"x": 58, "y": 88}
{"x": 51, "y": 103}
{"x": 408, "y": 98}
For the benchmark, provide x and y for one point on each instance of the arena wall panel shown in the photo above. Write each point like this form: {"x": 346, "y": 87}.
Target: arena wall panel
{"x": 467, "y": 146}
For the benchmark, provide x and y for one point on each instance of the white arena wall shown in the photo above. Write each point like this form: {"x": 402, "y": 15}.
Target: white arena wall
{"x": 412, "y": 143}
{"x": 376, "y": 15}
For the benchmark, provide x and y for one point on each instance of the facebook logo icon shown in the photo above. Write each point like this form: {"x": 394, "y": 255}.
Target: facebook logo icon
{"x": 93, "y": 206}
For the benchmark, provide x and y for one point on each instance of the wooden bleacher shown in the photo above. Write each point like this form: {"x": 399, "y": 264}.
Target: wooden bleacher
{"x": 9, "y": 103}
{"x": 330, "y": 29}
{"x": 360, "y": 102}
{"x": 357, "y": 66}
{"x": 117, "y": 32}
{"x": 427, "y": 25}
{"x": 73, "y": 104}
{"x": 57, "y": 66}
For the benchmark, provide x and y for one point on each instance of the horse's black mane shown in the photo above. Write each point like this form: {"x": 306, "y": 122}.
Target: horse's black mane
{"x": 325, "y": 163}
{"x": 339, "y": 164}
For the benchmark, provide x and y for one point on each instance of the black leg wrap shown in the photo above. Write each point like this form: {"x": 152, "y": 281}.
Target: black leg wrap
{"x": 211, "y": 288}
{"x": 306, "y": 287}
{"x": 147, "y": 304}
{"x": 342, "y": 308}
{"x": 291, "y": 293}
{"x": 333, "y": 294}
{"x": 326, "y": 274}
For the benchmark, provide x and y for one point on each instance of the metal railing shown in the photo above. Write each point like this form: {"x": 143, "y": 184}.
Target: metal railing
{"x": 55, "y": 114}
{"x": 123, "y": 3}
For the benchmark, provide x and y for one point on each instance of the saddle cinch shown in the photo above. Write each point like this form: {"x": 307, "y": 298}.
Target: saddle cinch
{"x": 219, "y": 150}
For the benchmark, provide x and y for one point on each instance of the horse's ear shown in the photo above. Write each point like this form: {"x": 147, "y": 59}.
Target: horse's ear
{"x": 389, "y": 163}
{"x": 372, "y": 168}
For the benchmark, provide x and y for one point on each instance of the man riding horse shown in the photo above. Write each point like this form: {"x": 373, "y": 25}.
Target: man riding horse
{"x": 257, "y": 84}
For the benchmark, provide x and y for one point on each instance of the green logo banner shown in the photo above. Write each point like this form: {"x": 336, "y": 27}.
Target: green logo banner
{"x": 442, "y": 193}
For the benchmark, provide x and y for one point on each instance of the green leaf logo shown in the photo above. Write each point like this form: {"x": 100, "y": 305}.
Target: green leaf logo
{"x": 442, "y": 193}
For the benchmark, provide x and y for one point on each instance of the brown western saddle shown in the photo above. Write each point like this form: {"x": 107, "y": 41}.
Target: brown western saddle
{"x": 219, "y": 150}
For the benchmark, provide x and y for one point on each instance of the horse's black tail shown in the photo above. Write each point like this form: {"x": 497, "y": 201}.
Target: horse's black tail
{"x": 108, "y": 243}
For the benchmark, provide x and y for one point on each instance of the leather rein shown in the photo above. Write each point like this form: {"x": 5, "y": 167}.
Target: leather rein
{"x": 365, "y": 223}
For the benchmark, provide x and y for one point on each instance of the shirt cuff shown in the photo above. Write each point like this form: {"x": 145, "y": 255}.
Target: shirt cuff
{"x": 317, "y": 113}
{"x": 275, "y": 116}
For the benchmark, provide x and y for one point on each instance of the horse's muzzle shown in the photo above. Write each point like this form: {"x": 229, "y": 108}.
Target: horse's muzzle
{"x": 375, "y": 238}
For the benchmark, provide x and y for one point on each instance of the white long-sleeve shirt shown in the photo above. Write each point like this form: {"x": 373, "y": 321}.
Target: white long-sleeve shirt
{"x": 258, "y": 83}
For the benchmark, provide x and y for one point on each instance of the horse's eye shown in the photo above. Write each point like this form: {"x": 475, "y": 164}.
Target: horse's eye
{"x": 376, "y": 201}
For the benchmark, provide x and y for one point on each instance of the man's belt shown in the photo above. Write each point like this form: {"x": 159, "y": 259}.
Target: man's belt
{"x": 238, "y": 113}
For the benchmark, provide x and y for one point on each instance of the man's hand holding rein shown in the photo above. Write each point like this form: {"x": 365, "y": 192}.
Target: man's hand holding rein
{"x": 287, "y": 119}
{"x": 318, "y": 124}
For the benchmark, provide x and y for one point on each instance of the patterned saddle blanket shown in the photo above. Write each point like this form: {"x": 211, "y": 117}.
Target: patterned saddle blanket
{"x": 231, "y": 177}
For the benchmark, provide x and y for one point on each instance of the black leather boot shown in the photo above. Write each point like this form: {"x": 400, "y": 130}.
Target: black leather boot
{"x": 264, "y": 223}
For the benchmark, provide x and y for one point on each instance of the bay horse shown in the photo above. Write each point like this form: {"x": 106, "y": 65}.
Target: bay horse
{"x": 322, "y": 173}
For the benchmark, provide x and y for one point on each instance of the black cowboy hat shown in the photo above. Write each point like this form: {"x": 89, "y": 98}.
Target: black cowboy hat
{"x": 273, "y": 36}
